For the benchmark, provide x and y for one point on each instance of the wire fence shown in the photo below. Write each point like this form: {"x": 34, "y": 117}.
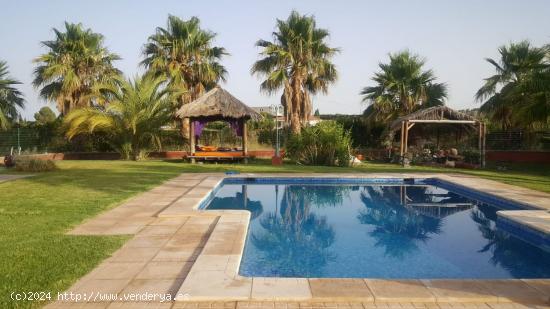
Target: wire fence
{"x": 518, "y": 140}
{"x": 34, "y": 140}
{"x": 21, "y": 140}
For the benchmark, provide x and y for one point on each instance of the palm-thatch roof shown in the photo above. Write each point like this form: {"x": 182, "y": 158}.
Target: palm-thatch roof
{"x": 432, "y": 113}
{"x": 217, "y": 103}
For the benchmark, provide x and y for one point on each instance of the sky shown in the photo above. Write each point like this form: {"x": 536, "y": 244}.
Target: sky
{"x": 453, "y": 36}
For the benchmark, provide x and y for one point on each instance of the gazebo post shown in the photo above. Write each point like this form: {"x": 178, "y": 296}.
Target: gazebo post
{"x": 480, "y": 143}
{"x": 245, "y": 140}
{"x": 483, "y": 145}
{"x": 402, "y": 138}
{"x": 192, "y": 139}
{"x": 406, "y": 142}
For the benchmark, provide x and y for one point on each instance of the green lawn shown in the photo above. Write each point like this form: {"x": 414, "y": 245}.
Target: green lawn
{"x": 35, "y": 212}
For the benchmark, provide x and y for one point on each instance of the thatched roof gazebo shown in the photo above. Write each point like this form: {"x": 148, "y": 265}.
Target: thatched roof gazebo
{"x": 217, "y": 105}
{"x": 437, "y": 115}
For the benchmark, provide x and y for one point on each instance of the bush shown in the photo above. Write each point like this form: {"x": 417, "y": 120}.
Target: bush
{"x": 34, "y": 165}
{"x": 326, "y": 143}
{"x": 471, "y": 156}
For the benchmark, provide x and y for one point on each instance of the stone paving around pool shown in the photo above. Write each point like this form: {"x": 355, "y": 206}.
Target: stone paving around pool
{"x": 194, "y": 255}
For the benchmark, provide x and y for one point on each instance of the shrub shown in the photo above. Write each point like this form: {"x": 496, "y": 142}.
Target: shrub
{"x": 326, "y": 143}
{"x": 471, "y": 156}
{"x": 34, "y": 165}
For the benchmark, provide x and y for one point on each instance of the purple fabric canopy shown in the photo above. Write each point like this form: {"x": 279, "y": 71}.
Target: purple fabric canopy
{"x": 199, "y": 126}
{"x": 233, "y": 123}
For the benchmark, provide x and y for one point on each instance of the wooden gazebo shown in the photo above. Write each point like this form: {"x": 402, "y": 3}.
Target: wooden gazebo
{"x": 438, "y": 115}
{"x": 217, "y": 105}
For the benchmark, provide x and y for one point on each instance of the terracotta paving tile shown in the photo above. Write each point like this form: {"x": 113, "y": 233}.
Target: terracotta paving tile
{"x": 459, "y": 290}
{"x": 140, "y": 305}
{"x": 280, "y": 289}
{"x": 514, "y": 291}
{"x": 194, "y": 229}
{"x": 156, "y": 230}
{"x": 221, "y": 248}
{"x": 188, "y": 201}
{"x": 127, "y": 254}
{"x": 340, "y": 289}
{"x": 147, "y": 241}
{"x": 542, "y": 286}
{"x": 212, "y": 262}
{"x": 399, "y": 290}
{"x": 169, "y": 221}
{"x": 152, "y": 286}
{"x": 515, "y": 306}
{"x": 124, "y": 229}
{"x": 214, "y": 286}
{"x": 201, "y": 220}
{"x": 135, "y": 221}
{"x": 73, "y": 305}
{"x": 97, "y": 286}
{"x": 123, "y": 270}
{"x": 185, "y": 241}
{"x": 169, "y": 254}
{"x": 175, "y": 211}
{"x": 165, "y": 270}
{"x": 205, "y": 305}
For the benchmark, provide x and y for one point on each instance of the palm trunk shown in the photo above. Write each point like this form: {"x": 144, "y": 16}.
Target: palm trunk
{"x": 295, "y": 123}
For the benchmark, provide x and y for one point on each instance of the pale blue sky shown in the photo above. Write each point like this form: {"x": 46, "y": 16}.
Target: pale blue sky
{"x": 454, "y": 37}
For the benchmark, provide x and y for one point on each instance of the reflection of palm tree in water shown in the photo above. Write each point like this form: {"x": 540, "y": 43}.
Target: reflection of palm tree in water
{"x": 240, "y": 202}
{"x": 519, "y": 258}
{"x": 295, "y": 241}
{"x": 396, "y": 228}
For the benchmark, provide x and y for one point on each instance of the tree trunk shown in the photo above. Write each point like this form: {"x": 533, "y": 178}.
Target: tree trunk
{"x": 297, "y": 98}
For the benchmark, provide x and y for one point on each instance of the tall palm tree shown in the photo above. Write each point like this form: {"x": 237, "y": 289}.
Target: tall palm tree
{"x": 518, "y": 94}
{"x": 11, "y": 99}
{"x": 298, "y": 60}
{"x": 184, "y": 53}
{"x": 76, "y": 60}
{"x": 132, "y": 116}
{"x": 401, "y": 87}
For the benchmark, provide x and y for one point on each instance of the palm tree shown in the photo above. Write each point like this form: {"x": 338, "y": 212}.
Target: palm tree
{"x": 402, "y": 86}
{"x": 132, "y": 116}
{"x": 299, "y": 62}
{"x": 11, "y": 99}
{"x": 184, "y": 53}
{"x": 75, "y": 61}
{"x": 519, "y": 93}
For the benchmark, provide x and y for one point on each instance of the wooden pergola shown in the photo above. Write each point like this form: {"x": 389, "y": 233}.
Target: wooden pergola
{"x": 217, "y": 105}
{"x": 438, "y": 115}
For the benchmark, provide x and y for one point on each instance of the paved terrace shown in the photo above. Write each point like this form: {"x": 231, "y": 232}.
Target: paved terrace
{"x": 194, "y": 255}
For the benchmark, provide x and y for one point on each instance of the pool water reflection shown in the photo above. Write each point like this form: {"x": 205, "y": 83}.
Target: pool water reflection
{"x": 375, "y": 231}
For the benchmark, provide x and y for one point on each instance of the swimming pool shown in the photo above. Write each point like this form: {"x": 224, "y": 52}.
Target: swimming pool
{"x": 374, "y": 228}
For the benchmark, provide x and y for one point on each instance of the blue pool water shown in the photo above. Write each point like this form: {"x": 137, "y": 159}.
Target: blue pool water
{"x": 370, "y": 230}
